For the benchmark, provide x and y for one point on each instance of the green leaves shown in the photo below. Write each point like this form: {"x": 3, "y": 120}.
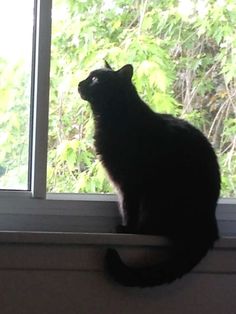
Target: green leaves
{"x": 184, "y": 64}
{"x": 14, "y": 121}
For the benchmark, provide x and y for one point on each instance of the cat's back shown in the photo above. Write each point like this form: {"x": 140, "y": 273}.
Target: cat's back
{"x": 179, "y": 133}
{"x": 173, "y": 144}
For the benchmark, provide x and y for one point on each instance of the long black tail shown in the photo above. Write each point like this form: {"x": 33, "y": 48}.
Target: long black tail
{"x": 182, "y": 261}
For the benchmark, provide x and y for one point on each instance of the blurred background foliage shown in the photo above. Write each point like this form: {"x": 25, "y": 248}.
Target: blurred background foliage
{"x": 16, "y": 23}
{"x": 184, "y": 57}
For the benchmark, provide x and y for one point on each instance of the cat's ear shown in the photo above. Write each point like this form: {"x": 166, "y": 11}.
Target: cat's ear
{"x": 107, "y": 65}
{"x": 126, "y": 71}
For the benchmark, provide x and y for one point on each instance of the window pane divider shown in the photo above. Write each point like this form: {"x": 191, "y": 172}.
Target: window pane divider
{"x": 41, "y": 98}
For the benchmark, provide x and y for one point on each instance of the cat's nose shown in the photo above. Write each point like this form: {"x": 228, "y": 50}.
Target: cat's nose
{"x": 80, "y": 90}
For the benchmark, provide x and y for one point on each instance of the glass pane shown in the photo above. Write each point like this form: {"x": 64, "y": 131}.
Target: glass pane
{"x": 184, "y": 56}
{"x": 16, "y": 25}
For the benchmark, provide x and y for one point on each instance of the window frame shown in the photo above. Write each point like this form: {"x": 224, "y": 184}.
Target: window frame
{"x": 35, "y": 210}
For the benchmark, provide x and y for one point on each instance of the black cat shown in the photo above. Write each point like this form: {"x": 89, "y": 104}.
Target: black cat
{"x": 165, "y": 171}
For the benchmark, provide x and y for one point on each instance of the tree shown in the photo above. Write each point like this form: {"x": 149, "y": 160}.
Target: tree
{"x": 184, "y": 64}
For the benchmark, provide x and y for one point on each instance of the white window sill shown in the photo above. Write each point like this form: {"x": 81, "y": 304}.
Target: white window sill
{"x": 58, "y": 251}
{"x": 96, "y": 239}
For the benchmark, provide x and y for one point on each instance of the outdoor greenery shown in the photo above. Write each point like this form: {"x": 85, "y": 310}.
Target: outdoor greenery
{"x": 14, "y": 124}
{"x": 184, "y": 56}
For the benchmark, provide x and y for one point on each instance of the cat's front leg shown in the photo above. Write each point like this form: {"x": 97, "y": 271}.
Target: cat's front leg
{"x": 122, "y": 229}
{"x": 129, "y": 208}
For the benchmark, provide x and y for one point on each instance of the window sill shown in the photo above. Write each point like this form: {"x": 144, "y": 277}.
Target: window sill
{"x": 58, "y": 251}
{"x": 96, "y": 239}
{"x": 75, "y": 238}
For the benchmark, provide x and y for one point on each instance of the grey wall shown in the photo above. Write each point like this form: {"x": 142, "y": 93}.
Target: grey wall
{"x": 69, "y": 279}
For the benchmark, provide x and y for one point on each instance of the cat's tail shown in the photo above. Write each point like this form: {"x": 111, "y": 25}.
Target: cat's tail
{"x": 182, "y": 261}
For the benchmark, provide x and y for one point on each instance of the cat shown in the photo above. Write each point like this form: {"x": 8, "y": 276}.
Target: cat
{"x": 166, "y": 173}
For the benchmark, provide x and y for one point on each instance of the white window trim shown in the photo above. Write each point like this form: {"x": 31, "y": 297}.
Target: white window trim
{"x": 35, "y": 210}
{"x": 19, "y": 211}
{"x": 40, "y": 97}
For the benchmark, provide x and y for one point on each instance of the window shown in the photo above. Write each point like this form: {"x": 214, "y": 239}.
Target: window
{"x": 55, "y": 156}
{"x": 15, "y": 88}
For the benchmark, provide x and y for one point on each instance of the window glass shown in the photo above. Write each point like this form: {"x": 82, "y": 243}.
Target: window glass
{"x": 16, "y": 25}
{"x": 184, "y": 56}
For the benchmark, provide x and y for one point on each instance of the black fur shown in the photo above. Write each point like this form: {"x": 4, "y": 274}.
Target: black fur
{"x": 165, "y": 171}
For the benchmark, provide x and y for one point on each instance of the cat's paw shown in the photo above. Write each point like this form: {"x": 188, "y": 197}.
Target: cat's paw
{"x": 121, "y": 229}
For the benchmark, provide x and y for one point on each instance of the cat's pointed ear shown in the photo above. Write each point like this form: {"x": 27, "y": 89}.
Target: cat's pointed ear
{"x": 107, "y": 65}
{"x": 126, "y": 71}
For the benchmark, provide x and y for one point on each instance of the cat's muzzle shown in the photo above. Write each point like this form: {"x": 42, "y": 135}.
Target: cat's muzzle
{"x": 81, "y": 92}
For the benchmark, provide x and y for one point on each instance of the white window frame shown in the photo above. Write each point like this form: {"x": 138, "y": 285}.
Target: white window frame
{"x": 35, "y": 210}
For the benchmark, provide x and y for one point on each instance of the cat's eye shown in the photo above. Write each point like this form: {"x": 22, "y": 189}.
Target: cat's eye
{"x": 94, "y": 79}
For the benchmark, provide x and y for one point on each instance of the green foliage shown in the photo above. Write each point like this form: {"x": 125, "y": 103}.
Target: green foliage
{"x": 14, "y": 121}
{"x": 184, "y": 62}
{"x": 184, "y": 56}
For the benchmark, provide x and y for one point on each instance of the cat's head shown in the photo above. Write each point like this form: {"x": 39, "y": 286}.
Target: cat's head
{"x": 103, "y": 85}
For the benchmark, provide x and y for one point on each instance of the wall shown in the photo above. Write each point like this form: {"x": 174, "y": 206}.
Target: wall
{"x": 65, "y": 278}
